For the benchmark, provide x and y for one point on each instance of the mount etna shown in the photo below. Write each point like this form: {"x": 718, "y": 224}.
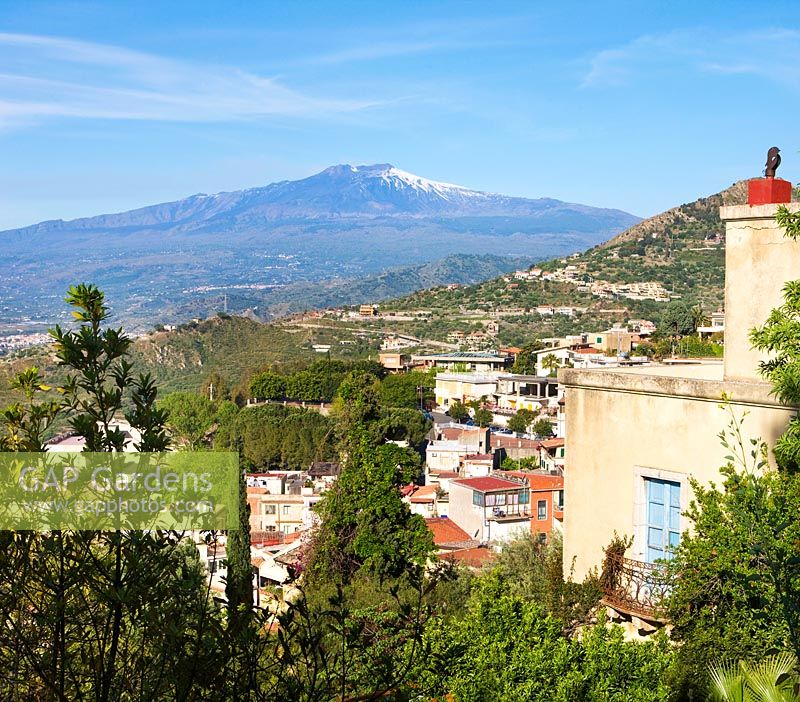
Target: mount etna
{"x": 264, "y": 248}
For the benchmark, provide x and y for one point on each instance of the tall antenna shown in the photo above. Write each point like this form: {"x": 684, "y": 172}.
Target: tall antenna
{"x": 225, "y": 303}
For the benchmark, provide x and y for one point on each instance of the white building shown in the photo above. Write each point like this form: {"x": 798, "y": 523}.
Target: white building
{"x": 490, "y": 509}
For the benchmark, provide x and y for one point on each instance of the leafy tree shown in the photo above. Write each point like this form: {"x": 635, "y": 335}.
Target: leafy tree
{"x": 239, "y": 581}
{"x": 535, "y": 570}
{"x": 215, "y": 387}
{"x": 477, "y": 403}
{"x": 95, "y": 393}
{"x": 226, "y": 412}
{"x": 458, "y": 410}
{"x": 699, "y": 316}
{"x": 525, "y": 362}
{"x": 357, "y": 409}
{"x": 270, "y": 386}
{"x": 276, "y": 437}
{"x": 306, "y": 386}
{"x": 86, "y": 613}
{"x": 542, "y": 427}
{"x": 780, "y": 337}
{"x": 529, "y": 463}
{"x": 521, "y": 420}
{"x": 506, "y": 647}
{"x": 677, "y": 320}
{"x": 365, "y": 525}
{"x": 400, "y": 424}
{"x": 405, "y": 389}
{"x": 189, "y": 417}
{"x": 483, "y": 417}
{"x": 25, "y": 424}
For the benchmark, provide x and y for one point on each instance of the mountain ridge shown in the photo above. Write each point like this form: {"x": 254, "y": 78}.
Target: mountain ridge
{"x": 346, "y": 222}
{"x": 681, "y": 215}
{"x": 338, "y": 191}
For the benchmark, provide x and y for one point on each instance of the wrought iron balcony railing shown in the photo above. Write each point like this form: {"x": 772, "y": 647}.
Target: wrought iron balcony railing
{"x": 635, "y": 587}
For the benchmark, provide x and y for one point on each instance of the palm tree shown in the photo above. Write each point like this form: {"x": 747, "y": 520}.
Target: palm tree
{"x": 699, "y": 316}
{"x": 773, "y": 679}
{"x": 550, "y": 363}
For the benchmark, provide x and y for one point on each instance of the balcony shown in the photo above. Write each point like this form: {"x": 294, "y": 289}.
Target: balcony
{"x": 635, "y": 588}
{"x": 500, "y": 514}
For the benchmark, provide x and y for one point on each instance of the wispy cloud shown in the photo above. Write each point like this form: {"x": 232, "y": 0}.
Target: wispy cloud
{"x": 465, "y": 34}
{"x": 386, "y": 49}
{"x": 56, "y": 77}
{"x": 771, "y": 54}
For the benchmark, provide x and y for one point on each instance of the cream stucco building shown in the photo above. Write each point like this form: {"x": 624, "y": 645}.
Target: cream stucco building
{"x": 635, "y": 436}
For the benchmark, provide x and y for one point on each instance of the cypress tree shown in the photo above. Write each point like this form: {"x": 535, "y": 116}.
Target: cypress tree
{"x": 239, "y": 584}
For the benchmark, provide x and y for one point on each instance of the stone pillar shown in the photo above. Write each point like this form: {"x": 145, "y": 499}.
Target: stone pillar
{"x": 759, "y": 260}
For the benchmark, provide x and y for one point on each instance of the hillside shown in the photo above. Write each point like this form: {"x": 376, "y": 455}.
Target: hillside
{"x": 693, "y": 221}
{"x": 680, "y": 252}
{"x": 347, "y": 222}
{"x": 230, "y": 346}
{"x": 234, "y": 345}
{"x": 683, "y": 249}
{"x": 395, "y": 282}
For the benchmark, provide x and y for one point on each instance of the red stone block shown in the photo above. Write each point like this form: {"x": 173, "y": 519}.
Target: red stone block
{"x": 767, "y": 191}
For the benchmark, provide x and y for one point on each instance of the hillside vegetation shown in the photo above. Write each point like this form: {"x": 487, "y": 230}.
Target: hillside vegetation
{"x": 682, "y": 249}
{"x": 232, "y": 347}
{"x": 332, "y": 292}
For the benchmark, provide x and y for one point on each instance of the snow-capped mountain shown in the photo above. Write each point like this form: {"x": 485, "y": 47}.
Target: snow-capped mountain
{"x": 379, "y": 190}
{"x": 346, "y": 223}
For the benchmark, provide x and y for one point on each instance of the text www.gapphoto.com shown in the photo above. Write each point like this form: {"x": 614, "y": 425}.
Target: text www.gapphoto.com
{"x": 119, "y": 506}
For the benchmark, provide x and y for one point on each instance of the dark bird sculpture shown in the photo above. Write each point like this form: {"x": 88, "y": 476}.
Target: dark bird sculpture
{"x": 773, "y": 161}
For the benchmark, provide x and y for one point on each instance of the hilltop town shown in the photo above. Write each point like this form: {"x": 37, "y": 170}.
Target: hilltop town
{"x": 531, "y": 427}
{"x": 399, "y": 352}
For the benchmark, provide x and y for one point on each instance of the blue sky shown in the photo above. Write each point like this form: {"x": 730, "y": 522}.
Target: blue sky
{"x": 106, "y": 106}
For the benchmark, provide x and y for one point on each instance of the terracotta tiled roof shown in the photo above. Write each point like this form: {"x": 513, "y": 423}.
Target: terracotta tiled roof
{"x": 427, "y": 493}
{"x": 471, "y": 557}
{"x": 456, "y": 433}
{"x": 266, "y": 537}
{"x": 553, "y": 443}
{"x": 447, "y": 534}
{"x": 538, "y": 481}
{"x": 488, "y": 483}
{"x": 478, "y": 457}
{"x": 506, "y": 441}
{"x": 546, "y": 482}
{"x": 447, "y": 475}
{"x": 445, "y": 530}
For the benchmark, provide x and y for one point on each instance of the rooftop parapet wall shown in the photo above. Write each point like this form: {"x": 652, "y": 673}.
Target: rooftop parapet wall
{"x": 674, "y": 384}
{"x": 759, "y": 260}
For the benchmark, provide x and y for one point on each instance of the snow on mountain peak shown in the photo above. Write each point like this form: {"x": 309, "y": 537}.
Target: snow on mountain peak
{"x": 399, "y": 179}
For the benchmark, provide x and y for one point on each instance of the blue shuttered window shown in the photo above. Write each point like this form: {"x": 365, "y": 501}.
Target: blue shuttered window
{"x": 663, "y": 518}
